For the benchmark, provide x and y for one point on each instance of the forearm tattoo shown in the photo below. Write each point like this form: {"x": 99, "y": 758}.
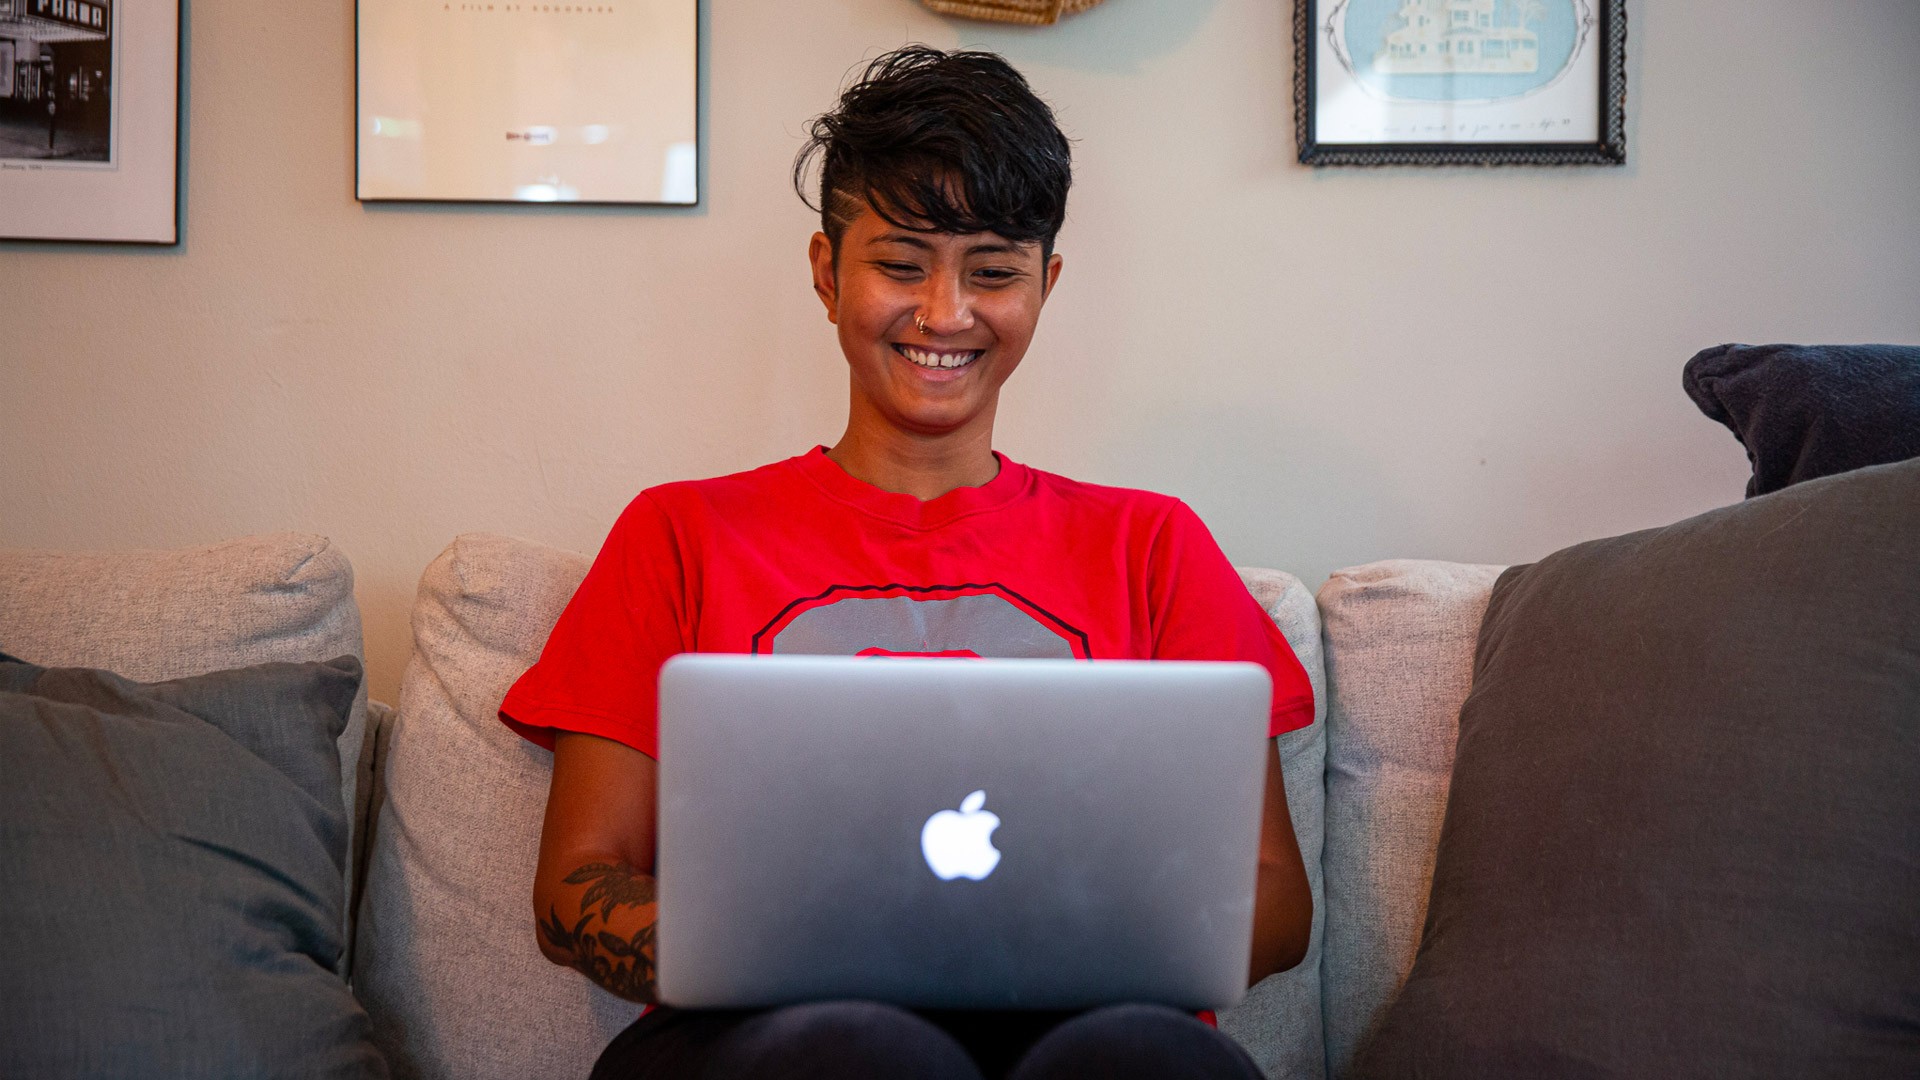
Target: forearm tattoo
{"x": 623, "y": 965}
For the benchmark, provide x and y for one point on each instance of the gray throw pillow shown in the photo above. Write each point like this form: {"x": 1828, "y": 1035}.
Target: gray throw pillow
{"x": 1683, "y": 835}
{"x": 174, "y": 858}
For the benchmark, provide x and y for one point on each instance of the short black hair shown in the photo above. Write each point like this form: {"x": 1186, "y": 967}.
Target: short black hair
{"x": 940, "y": 142}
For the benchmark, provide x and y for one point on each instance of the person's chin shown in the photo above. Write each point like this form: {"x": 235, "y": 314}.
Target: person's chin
{"x": 930, "y": 419}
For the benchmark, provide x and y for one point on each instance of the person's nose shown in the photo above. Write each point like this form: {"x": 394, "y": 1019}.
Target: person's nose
{"x": 946, "y": 307}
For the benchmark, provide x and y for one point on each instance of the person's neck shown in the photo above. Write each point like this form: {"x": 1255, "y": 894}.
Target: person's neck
{"x": 925, "y": 468}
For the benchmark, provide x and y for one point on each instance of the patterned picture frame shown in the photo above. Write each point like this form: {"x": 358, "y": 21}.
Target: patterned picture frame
{"x": 1380, "y": 83}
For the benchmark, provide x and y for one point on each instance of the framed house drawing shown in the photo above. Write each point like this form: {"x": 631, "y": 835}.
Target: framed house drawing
{"x": 519, "y": 101}
{"x": 90, "y": 120}
{"x": 1460, "y": 82}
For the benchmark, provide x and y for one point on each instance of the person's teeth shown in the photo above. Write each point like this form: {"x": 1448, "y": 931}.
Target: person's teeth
{"x": 939, "y": 360}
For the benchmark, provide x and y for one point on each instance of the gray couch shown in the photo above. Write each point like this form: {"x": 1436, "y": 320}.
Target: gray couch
{"x": 449, "y": 802}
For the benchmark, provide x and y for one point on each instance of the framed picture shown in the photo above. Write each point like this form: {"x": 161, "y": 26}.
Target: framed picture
{"x": 90, "y": 120}
{"x": 509, "y": 101}
{"x": 1460, "y": 82}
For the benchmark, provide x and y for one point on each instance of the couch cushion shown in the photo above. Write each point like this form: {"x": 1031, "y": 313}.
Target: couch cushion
{"x": 174, "y": 856}
{"x": 447, "y": 961}
{"x": 1680, "y": 839}
{"x": 1399, "y": 659}
{"x": 151, "y": 615}
{"x": 1280, "y": 1023}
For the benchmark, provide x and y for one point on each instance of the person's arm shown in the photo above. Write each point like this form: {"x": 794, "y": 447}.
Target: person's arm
{"x": 593, "y": 892}
{"x": 1202, "y": 611}
{"x": 1282, "y": 901}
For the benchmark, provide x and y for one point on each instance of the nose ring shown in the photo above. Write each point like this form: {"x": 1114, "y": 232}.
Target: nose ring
{"x": 920, "y": 321}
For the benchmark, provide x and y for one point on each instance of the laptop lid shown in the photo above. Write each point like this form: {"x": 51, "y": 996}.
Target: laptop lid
{"x": 958, "y": 833}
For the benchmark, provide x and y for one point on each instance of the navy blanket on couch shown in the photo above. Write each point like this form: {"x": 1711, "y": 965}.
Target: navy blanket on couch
{"x": 1806, "y": 411}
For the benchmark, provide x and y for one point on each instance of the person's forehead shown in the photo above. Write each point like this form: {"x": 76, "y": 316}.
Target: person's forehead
{"x": 872, "y": 230}
{"x": 980, "y": 243}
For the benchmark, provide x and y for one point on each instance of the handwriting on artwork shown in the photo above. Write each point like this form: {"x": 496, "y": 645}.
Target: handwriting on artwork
{"x": 528, "y": 9}
{"x": 1469, "y": 129}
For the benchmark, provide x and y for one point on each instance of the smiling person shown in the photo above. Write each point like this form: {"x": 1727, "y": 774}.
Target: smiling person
{"x": 943, "y": 182}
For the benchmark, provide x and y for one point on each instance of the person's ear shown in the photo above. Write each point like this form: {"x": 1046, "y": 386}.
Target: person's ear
{"x": 1052, "y": 276}
{"x": 825, "y": 282}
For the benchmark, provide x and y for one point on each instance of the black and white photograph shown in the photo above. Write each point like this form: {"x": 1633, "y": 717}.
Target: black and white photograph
{"x": 57, "y": 97}
{"x": 89, "y": 120}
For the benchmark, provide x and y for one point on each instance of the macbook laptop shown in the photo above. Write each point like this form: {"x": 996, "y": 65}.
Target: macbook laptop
{"x": 944, "y": 833}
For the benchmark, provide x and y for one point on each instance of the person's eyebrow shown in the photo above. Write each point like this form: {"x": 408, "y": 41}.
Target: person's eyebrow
{"x": 903, "y": 238}
{"x": 1001, "y": 248}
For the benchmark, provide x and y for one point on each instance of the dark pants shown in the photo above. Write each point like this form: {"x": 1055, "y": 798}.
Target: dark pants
{"x": 855, "y": 1040}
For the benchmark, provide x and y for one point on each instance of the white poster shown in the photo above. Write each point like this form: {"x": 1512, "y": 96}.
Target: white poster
{"x": 528, "y": 102}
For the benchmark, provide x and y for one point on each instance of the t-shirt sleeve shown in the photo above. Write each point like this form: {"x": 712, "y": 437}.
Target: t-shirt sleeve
{"x": 599, "y": 670}
{"x": 1201, "y": 610}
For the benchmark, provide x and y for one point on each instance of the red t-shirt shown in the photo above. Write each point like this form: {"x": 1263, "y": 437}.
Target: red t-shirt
{"x": 800, "y": 557}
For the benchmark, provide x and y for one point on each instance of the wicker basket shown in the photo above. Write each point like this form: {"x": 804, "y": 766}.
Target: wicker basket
{"x": 1030, "y": 12}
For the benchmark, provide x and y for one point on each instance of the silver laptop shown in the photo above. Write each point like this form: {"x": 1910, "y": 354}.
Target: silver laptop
{"x": 944, "y": 833}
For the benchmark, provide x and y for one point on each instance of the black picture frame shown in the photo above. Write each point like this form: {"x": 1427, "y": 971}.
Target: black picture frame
{"x": 111, "y": 82}
{"x": 1610, "y": 148}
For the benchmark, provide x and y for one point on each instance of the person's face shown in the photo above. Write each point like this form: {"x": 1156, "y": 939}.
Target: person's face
{"x": 932, "y": 323}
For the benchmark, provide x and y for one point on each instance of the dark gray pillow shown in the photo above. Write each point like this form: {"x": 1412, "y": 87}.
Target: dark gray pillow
{"x": 173, "y": 857}
{"x": 1807, "y": 411}
{"x": 1683, "y": 833}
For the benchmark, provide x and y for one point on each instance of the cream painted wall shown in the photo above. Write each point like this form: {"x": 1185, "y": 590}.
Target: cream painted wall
{"x": 1332, "y": 367}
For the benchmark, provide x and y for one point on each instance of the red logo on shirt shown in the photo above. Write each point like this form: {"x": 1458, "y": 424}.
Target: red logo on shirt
{"x": 945, "y": 654}
{"x": 975, "y": 620}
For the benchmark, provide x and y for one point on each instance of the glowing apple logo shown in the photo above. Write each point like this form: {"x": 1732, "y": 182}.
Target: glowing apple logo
{"x": 958, "y": 844}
